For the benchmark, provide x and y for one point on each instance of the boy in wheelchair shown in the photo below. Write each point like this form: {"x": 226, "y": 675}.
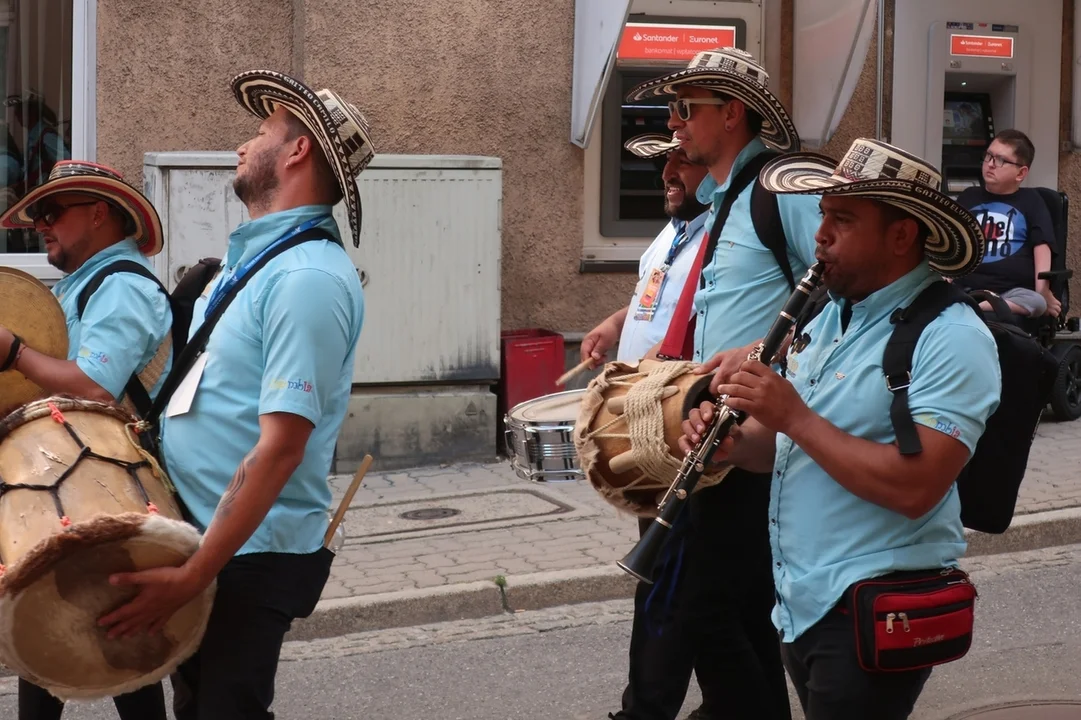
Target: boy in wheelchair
{"x": 1018, "y": 229}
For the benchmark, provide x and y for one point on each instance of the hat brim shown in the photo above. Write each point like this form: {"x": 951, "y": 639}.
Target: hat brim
{"x": 260, "y": 92}
{"x": 651, "y": 145}
{"x": 147, "y": 234}
{"x": 955, "y": 245}
{"x": 778, "y": 130}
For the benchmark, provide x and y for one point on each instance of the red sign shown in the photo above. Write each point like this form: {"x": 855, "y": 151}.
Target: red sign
{"x": 672, "y": 42}
{"x": 994, "y": 46}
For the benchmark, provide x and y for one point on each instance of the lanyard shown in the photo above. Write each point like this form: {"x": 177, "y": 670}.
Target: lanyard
{"x": 678, "y": 243}
{"x": 226, "y": 285}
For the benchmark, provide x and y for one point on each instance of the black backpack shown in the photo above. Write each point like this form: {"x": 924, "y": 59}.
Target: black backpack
{"x": 989, "y": 483}
{"x": 182, "y": 301}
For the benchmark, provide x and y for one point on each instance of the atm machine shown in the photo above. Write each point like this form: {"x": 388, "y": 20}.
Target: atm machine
{"x": 965, "y": 69}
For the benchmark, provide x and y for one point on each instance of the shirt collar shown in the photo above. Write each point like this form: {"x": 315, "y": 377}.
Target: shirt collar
{"x": 124, "y": 248}
{"x": 709, "y": 189}
{"x": 252, "y": 237}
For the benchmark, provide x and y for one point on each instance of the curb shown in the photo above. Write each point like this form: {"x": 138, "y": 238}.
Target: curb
{"x": 536, "y": 591}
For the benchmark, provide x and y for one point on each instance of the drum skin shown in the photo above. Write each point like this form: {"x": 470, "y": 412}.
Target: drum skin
{"x": 56, "y": 567}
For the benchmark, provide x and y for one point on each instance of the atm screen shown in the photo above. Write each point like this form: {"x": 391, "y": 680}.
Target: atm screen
{"x": 966, "y": 120}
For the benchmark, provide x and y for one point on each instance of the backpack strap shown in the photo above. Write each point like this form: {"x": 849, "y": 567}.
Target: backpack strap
{"x": 909, "y": 323}
{"x": 766, "y": 216}
{"x": 747, "y": 175}
{"x": 134, "y": 389}
{"x": 195, "y": 346}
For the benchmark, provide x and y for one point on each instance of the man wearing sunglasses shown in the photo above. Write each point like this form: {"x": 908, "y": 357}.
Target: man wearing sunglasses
{"x": 119, "y": 341}
{"x": 725, "y": 118}
{"x": 1017, "y": 227}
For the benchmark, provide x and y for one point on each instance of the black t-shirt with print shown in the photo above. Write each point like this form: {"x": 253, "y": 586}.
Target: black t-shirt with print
{"x": 1012, "y": 226}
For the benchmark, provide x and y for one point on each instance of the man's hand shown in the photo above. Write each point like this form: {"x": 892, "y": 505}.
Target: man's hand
{"x": 162, "y": 591}
{"x": 601, "y": 339}
{"x": 598, "y": 342}
{"x": 695, "y": 426}
{"x": 726, "y": 363}
{"x": 764, "y": 395}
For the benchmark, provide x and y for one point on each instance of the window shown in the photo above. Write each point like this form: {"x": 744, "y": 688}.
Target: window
{"x": 44, "y": 49}
{"x": 632, "y": 192}
{"x": 624, "y": 195}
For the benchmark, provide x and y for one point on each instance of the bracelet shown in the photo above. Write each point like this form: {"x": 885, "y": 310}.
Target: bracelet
{"x": 18, "y": 356}
{"x": 13, "y": 353}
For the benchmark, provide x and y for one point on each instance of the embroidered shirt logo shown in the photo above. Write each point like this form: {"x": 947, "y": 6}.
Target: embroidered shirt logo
{"x": 85, "y": 352}
{"x": 283, "y": 384}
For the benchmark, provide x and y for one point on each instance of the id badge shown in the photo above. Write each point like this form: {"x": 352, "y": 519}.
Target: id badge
{"x": 647, "y": 304}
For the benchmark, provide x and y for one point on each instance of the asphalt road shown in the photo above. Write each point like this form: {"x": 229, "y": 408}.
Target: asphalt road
{"x": 569, "y": 663}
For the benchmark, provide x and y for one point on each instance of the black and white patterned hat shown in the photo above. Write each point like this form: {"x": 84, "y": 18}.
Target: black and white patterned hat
{"x": 341, "y": 129}
{"x": 733, "y": 72}
{"x": 875, "y": 170}
{"x": 651, "y": 145}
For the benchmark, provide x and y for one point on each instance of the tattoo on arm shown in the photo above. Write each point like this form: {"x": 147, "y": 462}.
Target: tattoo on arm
{"x": 226, "y": 503}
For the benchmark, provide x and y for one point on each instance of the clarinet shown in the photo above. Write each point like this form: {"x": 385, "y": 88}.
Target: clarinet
{"x": 640, "y": 561}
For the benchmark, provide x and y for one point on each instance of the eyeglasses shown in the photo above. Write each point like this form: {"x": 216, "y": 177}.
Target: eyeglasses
{"x": 997, "y": 161}
{"x": 682, "y": 107}
{"x": 50, "y": 213}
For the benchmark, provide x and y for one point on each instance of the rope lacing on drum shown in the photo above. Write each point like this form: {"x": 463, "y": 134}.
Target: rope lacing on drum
{"x": 644, "y": 422}
{"x": 85, "y": 453}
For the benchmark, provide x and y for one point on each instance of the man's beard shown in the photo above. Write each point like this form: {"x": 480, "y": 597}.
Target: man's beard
{"x": 687, "y": 210}
{"x": 256, "y": 187}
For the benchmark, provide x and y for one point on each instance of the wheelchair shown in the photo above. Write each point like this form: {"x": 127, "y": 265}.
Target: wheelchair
{"x": 1061, "y": 335}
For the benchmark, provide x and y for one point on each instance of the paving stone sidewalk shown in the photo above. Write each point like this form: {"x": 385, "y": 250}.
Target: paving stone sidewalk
{"x": 588, "y": 533}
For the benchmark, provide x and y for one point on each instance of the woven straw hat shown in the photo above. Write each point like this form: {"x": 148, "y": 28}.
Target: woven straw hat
{"x": 875, "y": 170}
{"x": 341, "y": 129}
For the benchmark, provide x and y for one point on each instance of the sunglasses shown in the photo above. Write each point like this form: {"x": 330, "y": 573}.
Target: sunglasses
{"x": 50, "y": 213}
{"x": 682, "y": 107}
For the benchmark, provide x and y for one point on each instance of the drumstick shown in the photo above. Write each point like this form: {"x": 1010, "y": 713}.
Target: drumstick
{"x": 573, "y": 371}
{"x": 344, "y": 504}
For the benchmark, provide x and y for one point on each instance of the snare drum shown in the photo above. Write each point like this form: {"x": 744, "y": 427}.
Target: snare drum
{"x": 540, "y": 437}
{"x": 79, "y": 500}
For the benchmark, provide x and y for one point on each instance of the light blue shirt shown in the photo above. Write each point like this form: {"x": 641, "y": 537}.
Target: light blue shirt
{"x": 125, "y": 321}
{"x": 744, "y": 286}
{"x": 823, "y": 537}
{"x": 285, "y": 344}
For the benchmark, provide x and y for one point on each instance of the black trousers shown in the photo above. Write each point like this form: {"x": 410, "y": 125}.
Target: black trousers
{"x": 831, "y": 684}
{"x": 716, "y": 622}
{"x": 231, "y": 676}
{"x": 146, "y": 703}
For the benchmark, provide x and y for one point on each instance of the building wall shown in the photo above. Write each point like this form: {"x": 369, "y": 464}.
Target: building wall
{"x": 454, "y": 78}
{"x": 164, "y": 71}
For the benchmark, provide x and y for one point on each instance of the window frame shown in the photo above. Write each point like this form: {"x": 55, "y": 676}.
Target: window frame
{"x": 83, "y": 119}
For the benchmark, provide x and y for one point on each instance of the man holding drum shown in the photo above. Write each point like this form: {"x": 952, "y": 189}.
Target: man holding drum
{"x": 664, "y": 266}
{"x": 725, "y": 118}
{"x": 119, "y": 335}
{"x": 637, "y": 327}
{"x": 856, "y": 493}
{"x": 249, "y": 435}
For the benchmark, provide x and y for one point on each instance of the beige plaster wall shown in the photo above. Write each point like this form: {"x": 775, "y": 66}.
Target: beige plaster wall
{"x": 443, "y": 77}
{"x": 164, "y": 71}
{"x": 472, "y": 78}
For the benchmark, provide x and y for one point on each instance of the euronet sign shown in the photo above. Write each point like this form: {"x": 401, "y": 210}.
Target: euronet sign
{"x": 672, "y": 42}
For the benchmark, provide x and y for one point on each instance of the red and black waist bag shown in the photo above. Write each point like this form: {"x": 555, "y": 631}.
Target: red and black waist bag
{"x": 912, "y": 619}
